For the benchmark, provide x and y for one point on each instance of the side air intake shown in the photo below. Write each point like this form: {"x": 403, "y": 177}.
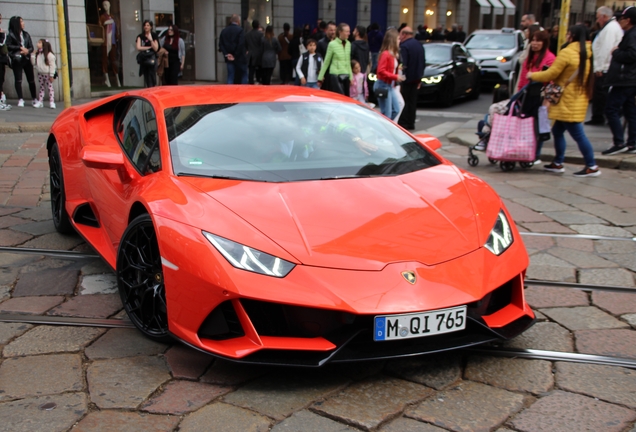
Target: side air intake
{"x": 84, "y": 215}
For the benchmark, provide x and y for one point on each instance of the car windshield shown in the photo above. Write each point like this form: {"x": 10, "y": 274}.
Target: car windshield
{"x": 437, "y": 53}
{"x": 491, "y": 41}
{"x": 281, "y": 142}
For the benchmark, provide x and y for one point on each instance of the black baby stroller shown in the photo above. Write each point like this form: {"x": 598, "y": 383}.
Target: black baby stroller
{"x": 526, "y": 103}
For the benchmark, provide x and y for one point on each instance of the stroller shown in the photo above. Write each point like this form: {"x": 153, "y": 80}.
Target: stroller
{"x": 529, "y": 101}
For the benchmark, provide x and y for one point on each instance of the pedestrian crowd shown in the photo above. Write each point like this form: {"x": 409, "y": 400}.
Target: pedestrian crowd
{"x": 597, "y": 63}
{"x": 334, "y": 57}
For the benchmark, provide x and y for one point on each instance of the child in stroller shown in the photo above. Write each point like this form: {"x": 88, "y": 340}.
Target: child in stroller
{"x": 530, "y": 101}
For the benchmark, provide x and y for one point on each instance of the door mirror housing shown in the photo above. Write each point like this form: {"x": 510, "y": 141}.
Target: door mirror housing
{"x": 105, "y": 158}
{"x": 429, "y": 141}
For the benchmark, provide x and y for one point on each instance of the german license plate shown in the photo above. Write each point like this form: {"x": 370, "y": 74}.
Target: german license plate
{"x": 419, "y": 324}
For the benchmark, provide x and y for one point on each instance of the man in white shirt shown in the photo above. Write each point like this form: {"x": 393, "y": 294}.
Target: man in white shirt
{"x": 609, "y": 36}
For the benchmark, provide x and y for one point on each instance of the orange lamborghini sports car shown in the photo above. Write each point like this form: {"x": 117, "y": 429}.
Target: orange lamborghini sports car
{"x": 286, "y": 225}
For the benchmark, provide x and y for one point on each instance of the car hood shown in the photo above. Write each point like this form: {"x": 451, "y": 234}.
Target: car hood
{"x": 480, "y": 54}
{"x": 361, "y": 224}
{"x": 436, "y": 69}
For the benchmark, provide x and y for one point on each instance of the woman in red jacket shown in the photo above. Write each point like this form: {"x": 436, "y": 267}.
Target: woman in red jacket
{"x": 388, "y": 76}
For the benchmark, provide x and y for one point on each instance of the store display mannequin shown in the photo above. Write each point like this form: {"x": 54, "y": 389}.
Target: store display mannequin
{"x": 109, "y": 49}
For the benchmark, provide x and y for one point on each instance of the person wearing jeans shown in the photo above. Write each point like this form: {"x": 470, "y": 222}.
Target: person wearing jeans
{"x": 621, "y": 76}
{"x": 388, "y": 76}
{"x": 575, "y": 129}
{"x": 572, "y": 70}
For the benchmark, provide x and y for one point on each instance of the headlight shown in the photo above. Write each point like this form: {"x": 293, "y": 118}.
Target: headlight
{"x": 373, "y": 77}
{"x": 432, "y": 80}
{"x": 246, "y": 258}
{"x": 500, "y": 237}
{"x": 503, "y": 59}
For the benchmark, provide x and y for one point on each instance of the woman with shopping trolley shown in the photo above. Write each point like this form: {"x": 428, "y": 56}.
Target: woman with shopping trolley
{"x": 572, "y": 81}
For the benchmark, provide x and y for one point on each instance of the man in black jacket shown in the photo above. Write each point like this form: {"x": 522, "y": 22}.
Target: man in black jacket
{"x": 413, "y": 62}
{"x": 254, "y": 46}
{"x": 621, "y": 77}
{"x": 232, "y": 45}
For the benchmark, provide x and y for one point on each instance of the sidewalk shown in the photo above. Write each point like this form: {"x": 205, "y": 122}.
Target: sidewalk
{"x": 599, "y": 136}
{"x": 29, "y": 119}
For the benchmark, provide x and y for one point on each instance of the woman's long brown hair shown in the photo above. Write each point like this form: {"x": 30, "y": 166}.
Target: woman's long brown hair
{"x": 46, "y": 49}
{"x": 390, "y": 42}
{"x": 578, "y": 33}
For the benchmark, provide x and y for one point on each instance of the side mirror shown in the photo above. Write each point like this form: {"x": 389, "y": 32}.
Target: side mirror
{"x": 105, "y": 158}
{"x": 429, "y": 141}
{"x": 101, "y": 157}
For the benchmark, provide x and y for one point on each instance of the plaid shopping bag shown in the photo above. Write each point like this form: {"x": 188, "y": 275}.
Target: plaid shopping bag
{"x": 512, "y": 138}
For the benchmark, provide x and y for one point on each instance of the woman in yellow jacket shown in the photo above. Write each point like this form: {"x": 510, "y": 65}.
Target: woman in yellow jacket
{"x": 571, "y": 70}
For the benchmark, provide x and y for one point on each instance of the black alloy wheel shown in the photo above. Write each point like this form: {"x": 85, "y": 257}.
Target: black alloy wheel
{"x": 140, "y": 279}
{"x": 61, "y": 221}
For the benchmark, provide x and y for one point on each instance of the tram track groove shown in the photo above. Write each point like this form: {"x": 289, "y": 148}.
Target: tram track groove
{"x": 534, "y": 354}
{"x": 531, "y": 354}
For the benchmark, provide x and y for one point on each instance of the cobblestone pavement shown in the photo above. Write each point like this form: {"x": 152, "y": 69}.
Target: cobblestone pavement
{"x": 84, "y": 378}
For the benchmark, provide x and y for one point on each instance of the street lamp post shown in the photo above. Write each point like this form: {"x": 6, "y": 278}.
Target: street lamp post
{"x": 66, "y": 81}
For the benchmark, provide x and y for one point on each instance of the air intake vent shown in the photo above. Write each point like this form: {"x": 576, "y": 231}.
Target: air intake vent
{"x": 84, "y": 215}
{"x": 221, "y": 324}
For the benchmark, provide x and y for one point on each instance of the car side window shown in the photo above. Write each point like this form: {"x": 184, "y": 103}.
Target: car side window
{"x": 139, "y": 137}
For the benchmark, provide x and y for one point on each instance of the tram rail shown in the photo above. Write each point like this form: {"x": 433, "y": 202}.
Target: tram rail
{"x": 486, "y": 350}
{"x": 532, "y": 354}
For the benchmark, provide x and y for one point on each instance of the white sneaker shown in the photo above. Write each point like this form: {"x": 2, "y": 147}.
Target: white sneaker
{"x": 21, "y": 103}
{"x": 52, "y": 105}
{"x": 4, "y": 107}
{"x": 38, "y": 104}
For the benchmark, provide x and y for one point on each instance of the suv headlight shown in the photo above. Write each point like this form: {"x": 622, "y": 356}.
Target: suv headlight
{"x": 504, "y": 59}
{"x": 246, "y": 258}
{"x": 500, "y": 237}
{"x": 432, "y": 80}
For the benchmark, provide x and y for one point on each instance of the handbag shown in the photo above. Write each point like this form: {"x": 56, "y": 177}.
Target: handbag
{"x": 512, "y": 138}
{"x": 381, "y": 93}
{"x": 146, "y": 58}
{"x": 553, "y": 92}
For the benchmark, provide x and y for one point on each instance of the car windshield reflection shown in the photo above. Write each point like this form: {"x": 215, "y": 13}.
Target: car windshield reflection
{"x": 491, "y": 41}
{"x": 437, "y": 53}
{"x": 281, "y": 142}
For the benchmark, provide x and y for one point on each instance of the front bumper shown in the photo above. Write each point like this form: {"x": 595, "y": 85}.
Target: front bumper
{"x": 318, "y": 315}
{"x": 495, "y": 71}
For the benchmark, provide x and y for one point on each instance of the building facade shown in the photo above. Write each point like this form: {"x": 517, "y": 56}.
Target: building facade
{"x": 102, "y": 34}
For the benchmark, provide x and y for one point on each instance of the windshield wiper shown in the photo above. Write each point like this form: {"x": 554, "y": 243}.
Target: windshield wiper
{"x": 210, "y": 176}
{"x": 337, "y": 177}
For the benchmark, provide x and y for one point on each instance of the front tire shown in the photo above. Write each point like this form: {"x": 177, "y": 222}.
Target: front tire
{"x": 61, "y": 221}
{"x": 140, "y": 279}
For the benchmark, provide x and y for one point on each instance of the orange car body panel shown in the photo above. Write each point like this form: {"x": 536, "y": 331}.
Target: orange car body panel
{"x": 350, "y": 243}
